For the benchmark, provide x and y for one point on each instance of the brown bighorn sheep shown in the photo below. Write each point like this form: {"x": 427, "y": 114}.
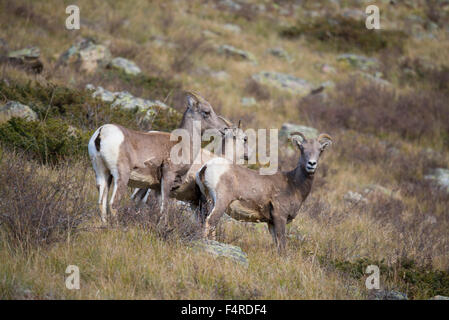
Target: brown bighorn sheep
{"x": 139, "y": 159}
{"x": 245, "y": 195}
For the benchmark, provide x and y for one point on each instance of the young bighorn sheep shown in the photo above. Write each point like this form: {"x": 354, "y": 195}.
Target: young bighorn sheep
{"x": 127, "y": 157}
{"x": 245, "y": 195}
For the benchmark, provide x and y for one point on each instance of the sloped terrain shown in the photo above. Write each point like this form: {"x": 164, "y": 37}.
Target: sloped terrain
{"x": 380, "y": 196}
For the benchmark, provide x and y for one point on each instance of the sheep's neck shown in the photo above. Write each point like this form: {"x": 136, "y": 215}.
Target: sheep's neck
{"x": 302, "y": 181}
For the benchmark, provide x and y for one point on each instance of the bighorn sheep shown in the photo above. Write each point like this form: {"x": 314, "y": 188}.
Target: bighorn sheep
{"x": 246, "y": 195}
{"x": 184, "y": 188}
{"x": 140, "y": 159}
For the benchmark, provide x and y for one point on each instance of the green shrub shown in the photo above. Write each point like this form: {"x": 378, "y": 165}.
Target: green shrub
{"x": 48, "y": 142}
{"x": 417, "y": 281}
{"x": 78, "y": 108}
{"x": 345, "y": 34}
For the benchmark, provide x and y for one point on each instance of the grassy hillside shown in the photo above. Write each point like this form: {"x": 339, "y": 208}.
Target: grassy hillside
{"x": 387, "y": 108}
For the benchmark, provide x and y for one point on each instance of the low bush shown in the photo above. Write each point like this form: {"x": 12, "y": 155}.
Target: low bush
{"x": 40, "y": 209}
{"x": 343, "y": 34}
{"x": 49, "y": 142}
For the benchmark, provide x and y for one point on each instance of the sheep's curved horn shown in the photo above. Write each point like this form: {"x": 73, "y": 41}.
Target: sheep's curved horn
{"x": 297, "y": 133}
{"x": 324, "y": 136}
{"x": 227, "y": 122}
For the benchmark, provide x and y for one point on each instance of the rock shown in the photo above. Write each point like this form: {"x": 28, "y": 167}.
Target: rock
{"x": 27, "y": 58}
{"x": 358, "y": 61}
{"x": 284, "y": 82}
{"x": 219, "y": 249}
{"x": 280, "y": 53}
{"x": 231, "y": 5}
{"x": 389, "y": 295}
{"x": 124, "y": 99}
{"x": 16, "y": 109}
{"x": 236, "y": 53}
{"x": 127, "y": 66}
{"x": 219, "y": 75}
{"x": 440, "y": 176}
{"x": 163, "y": 42}
{"x": 439, "y": 298}
{"x": 248, "y": 101}
{"x": 376, "y": 79}
{"x": 354, "y": 197}
{"x": 355, "y": 14}
{"x": 232, "y": 28}
{"x": 378, "y": 189}
{"x": 86, "y": 55}
{"x": 288, "y": 128}
{"x": 325, "y": 68}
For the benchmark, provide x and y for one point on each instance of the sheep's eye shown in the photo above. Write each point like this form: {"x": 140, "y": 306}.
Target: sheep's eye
{"x": 206, "y": 113}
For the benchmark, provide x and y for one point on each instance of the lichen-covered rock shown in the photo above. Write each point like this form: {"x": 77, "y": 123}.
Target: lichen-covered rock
{"x": 236, "y": 53}
{"x": 376, "y": 189}
{"x": 288, "y": 128}
{"x": 440, "y": 176}
{"x": 376, "y": 79}
{"x": 124, "y": 99}
{"x": 27, "y": 58}
{"x": 248, "y": 101}
{"x": 439, "y": 298}
{"x": 284, "y": 82}
{"x": 16, "y": 109}
{"x": 232, "y": 28}
{"x": 389, "y": 295}
{"x": 358, "y": 61}
{"x": 86, "y": 55}
{"x": 127, "y": 66}
{"x": 354, "y": 197}
{"x": 219, "y": 249}
{"x": 280, "y": 53}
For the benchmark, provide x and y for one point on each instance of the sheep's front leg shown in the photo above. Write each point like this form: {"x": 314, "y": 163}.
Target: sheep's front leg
{"x": 277, "y": 230}
{"x": 167, "y": 180}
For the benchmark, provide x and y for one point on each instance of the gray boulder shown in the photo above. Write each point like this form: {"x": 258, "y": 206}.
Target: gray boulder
{"x": 280, "y": 53}
{"x": 288, "y": 128}
{"x": 389, "y": 295}
{"x": 27, "y": 58}
{"x": 248, "y": 101}
{"x": 359, "y": 61}
{"x": 284, "y": 82}
{"x": 219, "y": 249}
{"x": 124, "y": 99}
{"x": 127, "y": 66}
{"x": 16, "y": 109}
{"x": 439, "y": 298}
{"x": 354, "y": 197}
{"x": 440, "y": 176}
{"x": 234, "y": 52}
{"x": 86, "y": 55}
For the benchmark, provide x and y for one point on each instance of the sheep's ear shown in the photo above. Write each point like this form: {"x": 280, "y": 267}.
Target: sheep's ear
{"x": 325, "y": 143}
{"x": 325, "y": 140}
{"x": 191, "y": 100}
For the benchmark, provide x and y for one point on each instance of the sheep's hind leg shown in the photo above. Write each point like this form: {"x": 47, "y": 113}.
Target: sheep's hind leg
{"x": 212, "y": 220}
{"x": 120, "y": 179}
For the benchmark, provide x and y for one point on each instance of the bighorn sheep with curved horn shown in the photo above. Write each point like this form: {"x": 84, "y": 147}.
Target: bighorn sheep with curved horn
{"x": 127, "y": 157}
{"x": 245, "y": 195}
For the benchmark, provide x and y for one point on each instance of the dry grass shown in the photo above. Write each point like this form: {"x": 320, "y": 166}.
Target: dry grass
{"x": 381, "y": 137}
